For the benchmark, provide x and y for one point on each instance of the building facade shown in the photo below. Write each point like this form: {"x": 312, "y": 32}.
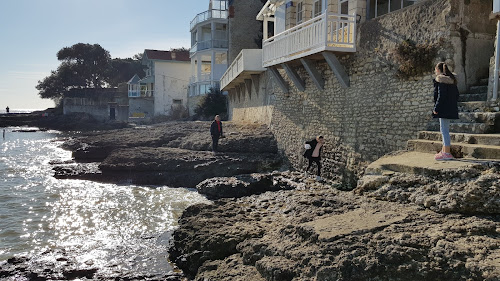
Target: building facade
{"x": 330, "y": 69}
{"x": 105, "y": 105}
{"x": 164, "y": 87}
{"x": 208, "y": 53}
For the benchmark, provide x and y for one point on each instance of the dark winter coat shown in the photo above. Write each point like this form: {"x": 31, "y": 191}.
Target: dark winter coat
{"x": 214, "y": 129}
{"x": 308, "y": 153}
{"x": 445, "y": 97}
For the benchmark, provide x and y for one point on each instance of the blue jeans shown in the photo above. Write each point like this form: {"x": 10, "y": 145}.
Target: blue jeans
{"x": 444, "y": 125}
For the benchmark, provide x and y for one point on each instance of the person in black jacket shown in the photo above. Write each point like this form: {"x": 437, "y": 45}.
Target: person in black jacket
{"x": 313, "y": 153}
{"x": 445, "y": 105}
{"x": 216, "y": 132}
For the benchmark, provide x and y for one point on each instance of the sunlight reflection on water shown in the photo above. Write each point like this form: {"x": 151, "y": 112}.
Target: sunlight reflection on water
{"x": 107, "y": 225}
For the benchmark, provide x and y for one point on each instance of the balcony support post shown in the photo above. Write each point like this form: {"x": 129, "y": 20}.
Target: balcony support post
{"x": 248, "y": 85}
{"x": 231, "y": 93}
{"x": 294, "y": 76}
{"x": 279, "y": 80}
{"x": 337, "y": 68}
{"x": 255, "y": 82}
{"x": 313, "y": 73}
{"x": 242, "y": 89}
{"x": 238, "y": 92}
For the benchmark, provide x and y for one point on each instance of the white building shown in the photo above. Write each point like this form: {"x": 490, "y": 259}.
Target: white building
{"x": 165, "y": 85}
{"x": 209, "y": 45}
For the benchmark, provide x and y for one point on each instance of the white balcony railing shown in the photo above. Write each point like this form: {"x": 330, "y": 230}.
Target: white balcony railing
{"x": 134, "y": 93}
{"x": 327, "y": 32}
{"x": 204, "y": 77}
{"x": 210, "y": 14}
{"x": 249, "y": 61}
{"x": 209, "y": 44}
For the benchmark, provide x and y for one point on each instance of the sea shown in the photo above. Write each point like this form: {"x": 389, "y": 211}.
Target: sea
{"x": 125, "y": 227}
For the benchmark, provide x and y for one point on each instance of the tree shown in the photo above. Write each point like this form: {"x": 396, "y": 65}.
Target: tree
{"x": 213, "y": 103}
{"x": 121, "y": 70}
{"x": 91, "y": 62}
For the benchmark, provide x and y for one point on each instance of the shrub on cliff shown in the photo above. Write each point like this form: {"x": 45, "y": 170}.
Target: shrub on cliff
{"x": 414, "y": 59}
{"x": 213, "y": 103}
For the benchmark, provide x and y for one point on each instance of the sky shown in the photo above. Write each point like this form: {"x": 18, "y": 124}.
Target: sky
{"x": 33, "y": 31}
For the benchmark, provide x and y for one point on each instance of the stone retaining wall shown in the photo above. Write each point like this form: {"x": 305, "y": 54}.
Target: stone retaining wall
{"x": 379, "y": 112}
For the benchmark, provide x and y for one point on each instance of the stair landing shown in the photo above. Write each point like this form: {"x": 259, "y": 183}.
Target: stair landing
{"x": 414, "y": 162}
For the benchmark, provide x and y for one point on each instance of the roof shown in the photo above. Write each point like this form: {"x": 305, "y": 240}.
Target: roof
{"x": 167, "y": 55}
{"x": 134, "y": 80}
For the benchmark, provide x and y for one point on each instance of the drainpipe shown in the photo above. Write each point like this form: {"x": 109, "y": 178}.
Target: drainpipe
{"x": 496, "y": 9}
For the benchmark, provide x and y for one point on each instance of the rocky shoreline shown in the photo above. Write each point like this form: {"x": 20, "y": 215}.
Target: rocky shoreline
{"x": 264, "y": 224}
{"x": 310, "y": 231}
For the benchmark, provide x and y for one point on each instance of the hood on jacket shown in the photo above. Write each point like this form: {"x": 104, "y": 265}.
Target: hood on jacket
{"x": 444, "y": 79}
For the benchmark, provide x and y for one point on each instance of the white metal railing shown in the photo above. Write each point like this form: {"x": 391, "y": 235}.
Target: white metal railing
{"x": 134, "y": 93}
{"x": 331, "y": 32}
{"x": 247, "y": 60}
{"x": 210, "y": 14}
{"x": 209, "y": 44}
{"x": 202, "y": 78}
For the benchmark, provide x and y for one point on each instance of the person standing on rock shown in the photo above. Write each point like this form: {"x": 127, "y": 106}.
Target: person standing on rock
{"x": 445, "y": 106}
{"x": 313, "y": 154}
{"x": 216, "y": 132}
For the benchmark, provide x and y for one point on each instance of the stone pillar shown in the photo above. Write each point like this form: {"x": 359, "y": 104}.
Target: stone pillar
{"x": 245, "y": 31}
{"x": 291, "y": 14}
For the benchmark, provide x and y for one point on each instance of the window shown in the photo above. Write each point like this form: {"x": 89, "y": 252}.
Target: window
{"x": 177, "y": 102}
{"x": 344, "y": 7}
{"x": 317, "y": 8}
{"x": 378, "y": 8}
{"x": 300, "y": 12}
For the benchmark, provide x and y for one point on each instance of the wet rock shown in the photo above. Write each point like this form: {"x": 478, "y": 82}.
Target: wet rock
{"x": 238, "y": 186}
{"x": 179, "y": 167}
{"x": 173, "y": 153}
{"x": 87, "y": 171}
{"x": 60, "y": 265}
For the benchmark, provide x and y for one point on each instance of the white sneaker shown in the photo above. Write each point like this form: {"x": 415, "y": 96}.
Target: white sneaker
{"x": 318, "y": 178}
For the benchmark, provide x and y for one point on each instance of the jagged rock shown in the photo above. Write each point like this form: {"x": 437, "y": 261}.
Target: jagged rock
{"x": 237, "y": 186}
{"x": 281, "y": 236}
{"x": 178, "y": 167}
{"x": 468, "y": 190}
{"x": 59, "y": 264}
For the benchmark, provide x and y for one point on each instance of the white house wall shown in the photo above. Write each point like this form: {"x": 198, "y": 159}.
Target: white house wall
{"x": 171, "y": 83}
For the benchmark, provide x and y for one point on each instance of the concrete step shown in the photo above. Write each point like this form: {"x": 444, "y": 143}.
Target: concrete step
{"x": 489, "y": 118}
{"x": 472, "y": 97}
{"x": 470, "y": 128}
{"x": 484, "y": 81}
{"x": 478, "y": 89}
{"x": 478, "y": 106}
{"x": 487, "y": 139}
{"x": 459, "y": 150}
{"x": 416, "y": 163}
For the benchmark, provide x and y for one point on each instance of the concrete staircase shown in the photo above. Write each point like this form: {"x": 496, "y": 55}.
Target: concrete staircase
{"x": 475, "y": 140}
{"x": 475, "y": 135}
